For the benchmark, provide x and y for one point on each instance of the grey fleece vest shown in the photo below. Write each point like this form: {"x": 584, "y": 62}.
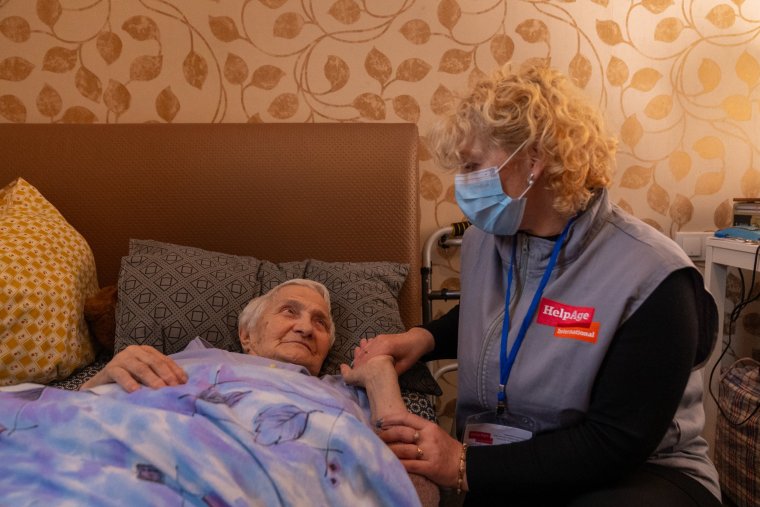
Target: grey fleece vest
{"x": 610, "y": 264}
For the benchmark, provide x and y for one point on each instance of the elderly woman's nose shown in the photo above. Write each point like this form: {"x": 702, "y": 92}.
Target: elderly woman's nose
{"x": 304, "y": 325}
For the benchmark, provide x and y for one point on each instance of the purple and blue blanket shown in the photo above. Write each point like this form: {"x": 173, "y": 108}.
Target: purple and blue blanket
{"x": 243, "y": 431}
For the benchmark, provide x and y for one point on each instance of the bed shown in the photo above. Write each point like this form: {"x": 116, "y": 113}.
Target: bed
{"x": 251, "y": 203}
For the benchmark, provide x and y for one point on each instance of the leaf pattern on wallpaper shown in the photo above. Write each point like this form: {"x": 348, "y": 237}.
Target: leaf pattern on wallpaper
{"x": 636, "y": 176}
{"x": 195, "y": 69}
{"x": 681, "y": 210}
{"x": 747, "y": 69}
{"x": 273, "y": 4}
{"x": 668, "y": 30}
{"x": 141, "y": 28}
{"x": 49, "y": 11}
{"x": 580, "y": 70}
{"x": 223, "y": 28}
{"x": 235, "y": 69}
{"x": 78, "y": 114}
{"x": 724, "y": 213}
{"x": 370, "y": 106}
{"x": 145, "y": 67}
{"x": 347, "y": 12}
{"x": 117, "y": 98}
{"x": 15, "y": 68}
{"x": 450, "y": 195}
{"x": 416, "y": 31}
{"x": 631, "y": 131}
{"x": 431, "y": 187}
{"x": 679, "y": 163}
{"x": 476, "y": 76}
{"x": 533, "y": 31}
{"x": 284, "y": 106}
{"x": 455, "y": 61}
{"x": 502, "y": 48}
{"x": 337, "y": 72}
{"x": 49, "y": 101}
{"x": 412, "y": 58}
{"x": 59, "y": 59}
{"x": 659, "y": 107}
{"x": 656, "y": 6}
{"x": 609, "y": 32}
{"x": 167, "y": 104}
{"x": 709, "y": 75}
{"x": 12, "y": 109}
{"x": 88, "y": 84}
{"x": 625, "y": 205}
{"x": 422, "y": 150}
{"x": 442, "y": 101}
{"x": 288, "y": 25}
{"x": 737, "y": 107}
{"x": 452, "y": 283}
{"x": 645, "y": 79}
{"x": 449, "y": 13}
{"x": 109, "y": 46}
{"x": 658, "y": 198}
{"x": 617, "y": 71}
{"x": 267, "y": 77}
{"x": 407, "y": 108}
{"x": 15, "y": 28}
{"x": 750, "y": 182}
{"x": 710, "y": 148}
{"x": 412, "y": 70}
{"x": 722, "y": 16}
{"x": 378, "y": 66}
{"x": 709, "y": 183}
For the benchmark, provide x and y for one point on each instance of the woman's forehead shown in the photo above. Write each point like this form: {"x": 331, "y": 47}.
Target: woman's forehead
{"x": 478, "y": 147}
{"x": 302, "y": 294}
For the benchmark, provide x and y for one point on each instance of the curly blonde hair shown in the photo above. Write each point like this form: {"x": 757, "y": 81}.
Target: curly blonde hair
{"x": 540, "y": 105}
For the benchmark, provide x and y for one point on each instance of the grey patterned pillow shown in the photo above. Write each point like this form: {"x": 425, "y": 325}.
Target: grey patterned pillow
{"x": 169, "y": 294}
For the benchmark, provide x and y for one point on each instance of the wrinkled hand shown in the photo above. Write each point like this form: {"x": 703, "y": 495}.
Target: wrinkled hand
{"x": 405, "y": 348}
{"x": 365, "y": 367}
{"x": 423, "y": 448}
{"x": 139, "y": 365}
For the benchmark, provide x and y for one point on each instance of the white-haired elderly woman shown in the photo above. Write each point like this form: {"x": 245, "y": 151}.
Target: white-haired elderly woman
{"x": 290, "y": 323}
{"x": 580, "y": 330}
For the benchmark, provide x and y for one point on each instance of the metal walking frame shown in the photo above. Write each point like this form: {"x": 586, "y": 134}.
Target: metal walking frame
{"x": 445, "y": 237}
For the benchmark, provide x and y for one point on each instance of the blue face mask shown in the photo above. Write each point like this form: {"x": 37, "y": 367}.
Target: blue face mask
{"x": 483, "y": 201}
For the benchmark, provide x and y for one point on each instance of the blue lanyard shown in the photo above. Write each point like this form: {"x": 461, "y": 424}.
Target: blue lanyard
{"x": 507, "y": 361}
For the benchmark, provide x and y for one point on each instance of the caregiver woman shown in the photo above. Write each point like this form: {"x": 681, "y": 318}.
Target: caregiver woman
{"x": 580, "y": 331}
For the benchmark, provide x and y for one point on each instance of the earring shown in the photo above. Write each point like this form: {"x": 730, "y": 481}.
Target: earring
{"x": 530, "y": 179}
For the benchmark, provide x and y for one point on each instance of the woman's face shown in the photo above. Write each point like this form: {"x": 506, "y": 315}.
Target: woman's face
{"x": 294, "y": 328}
{"x": 477, "y": 154}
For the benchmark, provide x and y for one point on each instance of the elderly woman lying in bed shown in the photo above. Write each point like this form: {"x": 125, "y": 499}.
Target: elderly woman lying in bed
{"x": 220, "y": 432}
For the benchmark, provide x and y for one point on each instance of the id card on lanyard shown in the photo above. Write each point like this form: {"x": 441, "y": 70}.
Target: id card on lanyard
{"x": 504, "y": 426}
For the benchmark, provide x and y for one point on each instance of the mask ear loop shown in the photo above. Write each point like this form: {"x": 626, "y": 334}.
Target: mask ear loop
{"x": 531, "y": 181}
{"x": 517, "y": 150}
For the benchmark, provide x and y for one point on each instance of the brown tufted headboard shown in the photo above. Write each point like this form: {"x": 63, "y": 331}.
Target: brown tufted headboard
{"x": 281, "y": 192}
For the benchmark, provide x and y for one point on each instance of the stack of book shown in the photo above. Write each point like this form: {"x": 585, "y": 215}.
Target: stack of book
{"x": 747, "y": 211}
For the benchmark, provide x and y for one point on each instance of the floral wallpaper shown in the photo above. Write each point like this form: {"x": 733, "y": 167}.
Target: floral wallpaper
{"x": 678, "y": 80}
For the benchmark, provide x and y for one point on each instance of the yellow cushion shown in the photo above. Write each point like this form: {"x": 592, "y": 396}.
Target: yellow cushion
{"x": 46, "y": 271}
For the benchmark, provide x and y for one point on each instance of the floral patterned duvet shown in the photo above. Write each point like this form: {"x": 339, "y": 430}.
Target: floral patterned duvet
{"x": 243, "y": 431}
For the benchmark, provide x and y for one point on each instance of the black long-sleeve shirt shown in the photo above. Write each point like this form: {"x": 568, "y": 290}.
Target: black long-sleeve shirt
{"x": 635, "y": 396}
